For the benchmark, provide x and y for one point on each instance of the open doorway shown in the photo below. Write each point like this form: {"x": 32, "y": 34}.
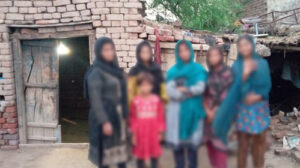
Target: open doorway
{"x": 73, "y": 108}
{"x": 285, "y": 72}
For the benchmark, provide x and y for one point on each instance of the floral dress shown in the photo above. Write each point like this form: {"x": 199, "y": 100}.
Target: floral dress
{"x": 147, "y": 121}
{"x": 253, "y": 119}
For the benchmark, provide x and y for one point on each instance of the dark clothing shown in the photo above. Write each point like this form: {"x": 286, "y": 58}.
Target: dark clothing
{"x": 141, "y": 163}
{"x": 153, "y": 68}
{"x": 192, "y": 157}
{"x": 105, "y": 88}
{"x": 121, "y": 165}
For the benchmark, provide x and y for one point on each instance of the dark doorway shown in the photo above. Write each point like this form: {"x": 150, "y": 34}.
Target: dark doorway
{"x": 285, "y": 71}
{"x": 72, "y": 106}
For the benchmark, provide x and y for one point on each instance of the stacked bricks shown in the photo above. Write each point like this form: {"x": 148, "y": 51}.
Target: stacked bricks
{"x": 8, "y": 128}
{"x": 8, "y": 115}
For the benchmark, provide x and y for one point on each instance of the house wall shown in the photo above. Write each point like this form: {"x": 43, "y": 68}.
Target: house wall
{"x": 255, "y": 8}
{"x": 119, "y": 19}
{"x": 260, "y": 7}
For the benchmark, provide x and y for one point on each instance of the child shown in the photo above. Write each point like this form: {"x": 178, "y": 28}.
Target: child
{"x": 147, "y": 122}
{"x": 145, "y": 63}
{"x": 220, "y": 78}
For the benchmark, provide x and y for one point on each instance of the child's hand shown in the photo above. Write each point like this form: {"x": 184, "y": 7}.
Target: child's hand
{"x": 160, "y": 137}
{"x": 133, "y": 140}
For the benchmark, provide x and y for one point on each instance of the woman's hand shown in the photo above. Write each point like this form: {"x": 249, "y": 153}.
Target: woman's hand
{"x": 107, "y": 129}
{"x": 182, "y": 89}
{"x": 211, "y": 114}
{"x": 251, "y": 98}
{"x": 248, "y": 68}
{"x": 133, "y": 140}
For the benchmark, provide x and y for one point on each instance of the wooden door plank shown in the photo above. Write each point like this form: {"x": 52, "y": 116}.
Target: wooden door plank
{"x": 17, "y": 54}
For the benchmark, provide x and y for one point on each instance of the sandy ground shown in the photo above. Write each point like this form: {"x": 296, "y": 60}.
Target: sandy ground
{"x": 70, "y": 157}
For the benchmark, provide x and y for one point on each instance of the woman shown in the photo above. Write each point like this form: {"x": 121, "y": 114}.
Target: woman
{"x": 145, "y": 63}
{"x": 185, "y": 85}
{"x": 250, "y": 94}
{"x": 105, "y": 88}
{"x": 253, "y": 115}
{"x": 220, "y": 78}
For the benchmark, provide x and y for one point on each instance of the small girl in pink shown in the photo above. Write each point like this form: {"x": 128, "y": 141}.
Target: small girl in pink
{"x": 147, "y": 122}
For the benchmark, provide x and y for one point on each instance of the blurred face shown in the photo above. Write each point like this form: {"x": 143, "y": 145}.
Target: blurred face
{"x": 214, "y": 58}
{"x": 145, "y": 88}
{"x": 184, "y": 53}
{"x": 108, "y": 52}
{"x": 145, "y": 54}
{"x": 245, "y": 48}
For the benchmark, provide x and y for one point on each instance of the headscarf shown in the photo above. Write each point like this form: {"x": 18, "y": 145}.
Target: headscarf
{"x": 154, "y": 69}
{"x": 219, "y": 80}
{"x": 109, "y": 67}
{"x": 191, "y": 109}
{"x": 258, "y": 82}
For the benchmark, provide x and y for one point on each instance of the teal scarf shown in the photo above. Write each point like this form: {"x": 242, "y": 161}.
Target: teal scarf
{"x": 258, "y": 82}
{"x": 191, "y": 109}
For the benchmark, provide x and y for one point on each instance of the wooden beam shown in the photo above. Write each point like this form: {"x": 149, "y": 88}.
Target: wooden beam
{"x": 42, "y": 138}
{"x": 290, "y": 48}
{"x": 42, "y": 85}
{"x": 49, "y": 25}
{"x": 18, "y": 68}
{"x": 171, "y": 45}
{"x": 44, "y": 125}
{"x": 56, "y": 35}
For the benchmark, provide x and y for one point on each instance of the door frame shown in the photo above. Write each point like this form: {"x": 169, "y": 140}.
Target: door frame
{"x": 16, "y": 39}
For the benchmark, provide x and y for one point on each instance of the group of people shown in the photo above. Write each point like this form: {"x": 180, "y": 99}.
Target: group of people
{"x": 134, "y": 114}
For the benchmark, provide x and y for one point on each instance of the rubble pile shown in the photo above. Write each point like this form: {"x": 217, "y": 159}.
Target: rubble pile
{"x": 285, "y": 130}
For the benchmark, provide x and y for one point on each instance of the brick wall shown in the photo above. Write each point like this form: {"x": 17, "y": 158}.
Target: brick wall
{"x": 119, "y": 19}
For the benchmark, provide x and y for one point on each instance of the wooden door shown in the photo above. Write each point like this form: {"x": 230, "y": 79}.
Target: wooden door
{"x": 40, "y": 78}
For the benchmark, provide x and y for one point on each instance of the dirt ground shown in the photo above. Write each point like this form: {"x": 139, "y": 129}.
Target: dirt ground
{"x": 70, "y": 157}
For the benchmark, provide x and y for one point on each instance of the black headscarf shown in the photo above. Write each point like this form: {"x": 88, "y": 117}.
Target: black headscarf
{"x": 153, "y": 67}
{"x": 109, "y": 67}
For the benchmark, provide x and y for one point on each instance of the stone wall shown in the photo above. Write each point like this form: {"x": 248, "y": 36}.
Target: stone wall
{"x": 255, "y": 8}
{"x": 260, "y": 7}
{"x": 119, "y": 19}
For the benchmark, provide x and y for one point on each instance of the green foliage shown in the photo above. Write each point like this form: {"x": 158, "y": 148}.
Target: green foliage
{"x": 213, "y": 15}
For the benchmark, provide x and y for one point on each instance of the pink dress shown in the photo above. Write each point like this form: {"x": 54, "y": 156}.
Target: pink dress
{"x": 146, "y": 122}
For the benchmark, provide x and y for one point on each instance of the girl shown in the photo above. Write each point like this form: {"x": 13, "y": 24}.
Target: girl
{"x": 105, "y": 88}
{"x": 185, "y": 85}
{"x": 220, "y": 78}
{"x": 147, "y": 122}
{"x": 145, "y": 63}
{"x": 253, "y": 116}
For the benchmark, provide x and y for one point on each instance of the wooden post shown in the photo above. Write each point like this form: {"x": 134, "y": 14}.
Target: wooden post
{"x": 295, "y": 16}
{"x": 18, "y": 68}
{"x": 92, "y": 40}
